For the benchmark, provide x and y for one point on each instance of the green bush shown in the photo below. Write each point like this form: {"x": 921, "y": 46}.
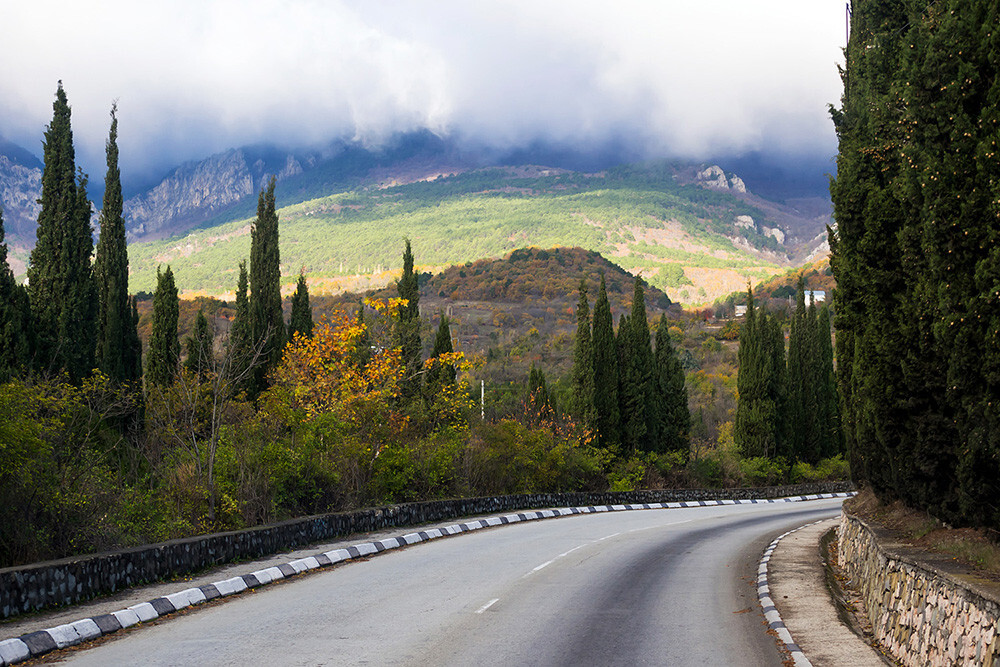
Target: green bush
{"x": 762, "y": 471}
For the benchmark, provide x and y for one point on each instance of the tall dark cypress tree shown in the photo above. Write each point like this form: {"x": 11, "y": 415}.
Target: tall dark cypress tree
{"x": 239, "y": 346}
{"x": 114, "y": 319}
{"x": 164, "y": 347}
{"x": 408, "y": 326}
{"x": 758, "y": 429}
{"x": 133, "y": 357}
{"x": 607, "y": 417}
{"x": 671, "y": 396}
{"x": 439, "y": 374}
{"x": 60, "y": 277}
{"x": 15, "y": 318}
{"x": 301, "y": 320}
{"x": 583, "y": 362}
{"x": 803, "y": 360}
{"x": 200, "y": 356}
{"x": 830, "y": 439}
{"x": 267, "y": 323}
{"x": 636, "y": 381}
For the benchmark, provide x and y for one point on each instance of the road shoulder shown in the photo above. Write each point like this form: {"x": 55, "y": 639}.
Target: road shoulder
{"x": 797, "y": 581}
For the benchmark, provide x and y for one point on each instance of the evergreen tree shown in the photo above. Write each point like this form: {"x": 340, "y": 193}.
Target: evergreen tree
{"x": 540, "y": 404}
{"x": 583, "y": 363}
{"x": 267, "y": 324}
{"x": 114, "y": 319}
{"x": 239, "y": 345}
{"x": 671, "y": 404}
{"x": 758, "y": 427}
{"x": 605, "y": 373}
{"x": 639, "y": 428}
{"x": 364, "y": 342}
{"x": 802, "y": 403}
{"x": 15, "y": 318}
{"x": 439, "y": 374}
{"x": 200, "y": 356}
{"x": 164, "y": 347}
{"x": 828, "y": 412}
{"x": 61, "y": 286}
{"x": 133, "y": 356}
{"x": 408, "y": 326}
{"x": 301, "y": 321}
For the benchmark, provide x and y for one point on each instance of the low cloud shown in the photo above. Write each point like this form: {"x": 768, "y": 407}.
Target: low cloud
{"x": 194, "y": 77}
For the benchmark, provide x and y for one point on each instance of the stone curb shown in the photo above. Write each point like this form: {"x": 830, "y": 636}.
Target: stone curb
{"x": 38, "y": 643}
{"x": 767, "y": 604}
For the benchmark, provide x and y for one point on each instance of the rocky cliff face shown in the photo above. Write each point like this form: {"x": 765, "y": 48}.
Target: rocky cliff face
{"x": 20, "y": 188}
{"x": 197, "y": 191}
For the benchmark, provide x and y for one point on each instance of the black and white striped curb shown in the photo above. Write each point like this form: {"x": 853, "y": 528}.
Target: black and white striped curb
{"x": 34, "y": 644}
{"x": 767, "y": 604}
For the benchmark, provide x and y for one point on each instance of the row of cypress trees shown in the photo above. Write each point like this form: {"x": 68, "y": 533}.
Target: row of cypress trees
{"x": 916, "y": 254}
{"x": 52, "y": 325}
{"x": 787, "y": 406}
{"x": 77, "y": 315}
{"x": 632, "y": 394}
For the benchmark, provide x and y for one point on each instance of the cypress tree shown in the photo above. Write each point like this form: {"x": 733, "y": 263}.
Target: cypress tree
{"x": 408, "y": 326}
{"x": 60, "y": 277}
{"x": 828, "y": 413}
{"x": 239, "y": 346}
{"x": 758, "y": 429}
{"x": 583, "y": 362}
{"x": 164, "y": 347}
{"x": 200, "y": 357}
{"x": 605, "y": 373}
{"x": 114, "y": 320}
{"x": 803, "y": 361}
{"x": 671, "y": 404}
{"x": 15, "y": 318}
{"x": 133, "y": 356}
{"x": 267, "y": 324}
{"x": 439, "y": 374}
{"x": 301, "y": 320}
{"x": 364, "y": 342}
{"x": 639, "y": 428}
{"x": 540, "y": 405}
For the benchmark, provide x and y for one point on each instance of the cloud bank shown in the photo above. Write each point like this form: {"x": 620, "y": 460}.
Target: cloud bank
{"x": 192, "y": 77}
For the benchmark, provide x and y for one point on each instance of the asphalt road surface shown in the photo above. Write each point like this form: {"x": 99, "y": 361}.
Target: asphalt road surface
{"x": 648, "y": 587}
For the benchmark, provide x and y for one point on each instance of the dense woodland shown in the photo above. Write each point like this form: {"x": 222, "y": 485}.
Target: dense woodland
{"x": 916, "y": 255}
{"x": 127, "y": 420}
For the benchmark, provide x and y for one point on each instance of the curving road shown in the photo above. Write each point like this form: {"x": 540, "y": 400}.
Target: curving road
{"x": 655, "y": 587}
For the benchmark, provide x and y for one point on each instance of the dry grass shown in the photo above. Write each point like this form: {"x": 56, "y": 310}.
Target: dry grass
{"x": 969, "y": 546}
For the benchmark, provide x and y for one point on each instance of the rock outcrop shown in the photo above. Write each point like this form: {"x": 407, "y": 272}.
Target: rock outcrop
{"x": 716, "y": 179}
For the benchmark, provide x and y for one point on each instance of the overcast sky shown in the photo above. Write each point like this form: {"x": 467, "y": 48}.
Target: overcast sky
{"x": 192, "y": 77}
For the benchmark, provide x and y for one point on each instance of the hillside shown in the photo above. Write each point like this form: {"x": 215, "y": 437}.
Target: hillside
{"x": 694, "y": 242}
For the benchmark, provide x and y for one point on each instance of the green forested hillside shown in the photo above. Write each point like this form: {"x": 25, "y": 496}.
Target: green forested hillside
{"x": 680, "y": 237}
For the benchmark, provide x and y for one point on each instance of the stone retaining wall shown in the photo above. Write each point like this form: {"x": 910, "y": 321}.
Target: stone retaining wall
{"x": 61, "y": 582}
{"x": 924, "y": 609}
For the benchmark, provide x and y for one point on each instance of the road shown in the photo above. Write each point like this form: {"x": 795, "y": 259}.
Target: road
{"x": 653, "y": 587}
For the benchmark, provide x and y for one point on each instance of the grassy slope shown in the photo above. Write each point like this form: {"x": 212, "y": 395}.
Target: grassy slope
{"x": 639, "y": 218}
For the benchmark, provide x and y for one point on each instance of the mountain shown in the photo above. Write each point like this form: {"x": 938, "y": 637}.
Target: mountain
{"x": 224, "y": 186}
{"x": 20, "y": 188}
{"x": 672, "y": 222}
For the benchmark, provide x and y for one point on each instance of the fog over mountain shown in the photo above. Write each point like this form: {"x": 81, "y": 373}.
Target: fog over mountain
{"x": 618, "y": 82}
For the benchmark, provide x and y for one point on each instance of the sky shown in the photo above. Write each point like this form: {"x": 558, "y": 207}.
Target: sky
{"x": 658, "y": 78}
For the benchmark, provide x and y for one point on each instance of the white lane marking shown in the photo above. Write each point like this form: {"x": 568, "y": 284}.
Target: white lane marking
{"x": 662, "y": 525}
{"x": 548, "y": 562}
{"x": 606, "y": 537}
{"x": 487, "y": 605}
